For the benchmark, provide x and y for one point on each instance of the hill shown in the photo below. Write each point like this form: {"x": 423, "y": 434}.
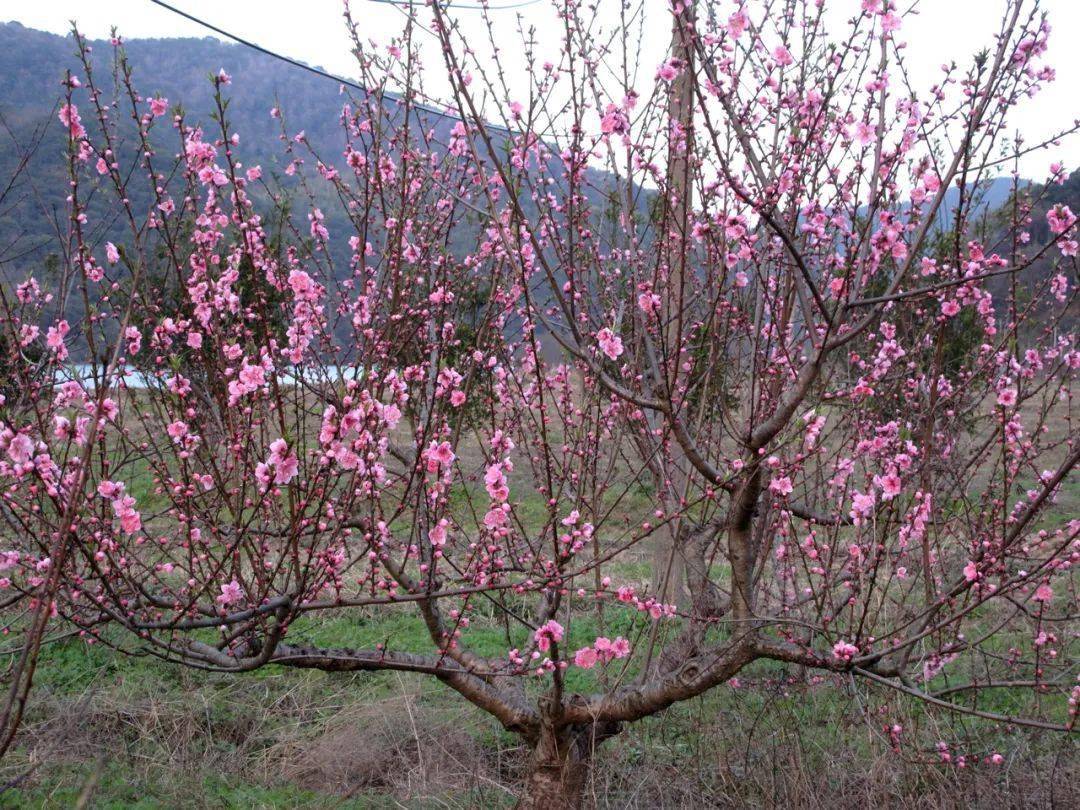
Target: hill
{"x": 32, "y": 66}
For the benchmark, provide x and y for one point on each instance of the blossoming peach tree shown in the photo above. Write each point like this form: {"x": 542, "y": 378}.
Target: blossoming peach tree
{"x": 762, "y": 296}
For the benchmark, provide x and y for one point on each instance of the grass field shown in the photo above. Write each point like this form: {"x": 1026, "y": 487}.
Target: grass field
{"x": 118, "y": 731}
{"x": 111, "y": 731}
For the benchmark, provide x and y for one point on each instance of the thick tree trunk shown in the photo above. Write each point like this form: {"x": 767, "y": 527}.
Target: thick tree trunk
{"x": 559, "y": 768}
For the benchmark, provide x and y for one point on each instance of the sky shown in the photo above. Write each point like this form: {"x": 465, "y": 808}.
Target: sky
{"x": 939, "y": 31}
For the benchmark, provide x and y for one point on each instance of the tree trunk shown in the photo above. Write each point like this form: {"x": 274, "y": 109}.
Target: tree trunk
{"x": 669, "y": 565}
{"x": 559, "y": 768}
{"x": 669, "y": 556}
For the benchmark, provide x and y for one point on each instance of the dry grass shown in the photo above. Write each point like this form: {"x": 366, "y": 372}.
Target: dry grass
{"x": 131, "y": 732}
{"x": 296, "y": 739}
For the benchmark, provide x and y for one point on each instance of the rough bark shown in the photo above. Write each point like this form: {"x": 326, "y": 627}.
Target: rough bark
{"x": 559, "y": 768}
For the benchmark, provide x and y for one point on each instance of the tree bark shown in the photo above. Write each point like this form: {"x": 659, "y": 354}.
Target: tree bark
{"x": 669, "y": 565}
{"x": 559, "y": 768}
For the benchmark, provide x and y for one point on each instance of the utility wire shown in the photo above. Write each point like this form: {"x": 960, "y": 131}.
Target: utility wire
{"x": 257, "y": 47}
{"x": 317, "y": 71}
{"x": 411, "y": 3}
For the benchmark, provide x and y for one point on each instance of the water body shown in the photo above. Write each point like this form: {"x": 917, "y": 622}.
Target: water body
{"x": 132, "y": 378}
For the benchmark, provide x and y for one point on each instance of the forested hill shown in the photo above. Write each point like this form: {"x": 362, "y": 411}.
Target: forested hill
{"x": 32, "y": 64}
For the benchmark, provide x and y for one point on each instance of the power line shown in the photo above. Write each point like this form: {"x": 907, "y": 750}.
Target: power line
{"x": 256, "y": 47}
{"x": 310, "y": 69}
{"x": 411, "y": 3}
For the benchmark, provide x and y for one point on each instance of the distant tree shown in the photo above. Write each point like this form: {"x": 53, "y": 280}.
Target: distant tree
{"x": 769, "y": 352}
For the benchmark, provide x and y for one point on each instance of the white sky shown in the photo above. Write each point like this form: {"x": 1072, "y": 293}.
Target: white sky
{"x": 943, "y": 30}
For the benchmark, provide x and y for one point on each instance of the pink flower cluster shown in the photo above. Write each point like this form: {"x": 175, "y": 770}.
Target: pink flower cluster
{"x": 610, "y": 343}
{"x": 602, "y": 650}
{"x": 550, "y": 632}
{"x": 280, "y": 468}
{"x": 123, "y": 505}
{"x": 844, "y": 651}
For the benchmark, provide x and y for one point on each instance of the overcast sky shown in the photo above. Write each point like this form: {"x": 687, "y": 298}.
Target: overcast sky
{"x": 313, "y": 31}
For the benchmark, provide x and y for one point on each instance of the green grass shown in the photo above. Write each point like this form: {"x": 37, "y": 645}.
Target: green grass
{"x": 152, "y": 734}
{"x": 139, "y": 732}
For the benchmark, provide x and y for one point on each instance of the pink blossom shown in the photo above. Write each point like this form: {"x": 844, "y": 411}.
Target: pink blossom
{"x": 1059, "y": 286}
{"x": 159, "y": 106}
{"x": 613, "y": 121}
{"x": 55, "y": 339}
{"x": 781, "y": 486}
{"x": 669, "y": 70}
{"x": 649, "y": 303}
{"x": 279, "y": 448}
{"x": 69, "y": 117}
{"x": 737, "y": 24}
{"x": 444, "y": 454}
{"x": 495, "y": 482}
{"x": 61, "y": 427}
{"x": 862, "y": 506}
{"x": 251, "y": 377}
{"x": 134, "y": 339}
{"x": 130, "y": 520}
{"x": 865, "y": 132}
{"x": 286, "y": 469}
{"x": 1060, "y": 218}
{"x": 110, "y": 489}
{"x": 585, "y": 658}
{"x": 301, "y": 283}
{"x": 283, "y": 463}
{"x": 20, "y": 449}
{"x": 437, "y": 535}
{"x": 263, "y": 475}
{"x": 124, "y": 508}
{"x": 439, "y": 454}
{"x": 495, "y": 518}
{"x": 890, "y": 486}
{"x": 783, "y": 56}
{"x": 610, "y": 343}
{"x": 177, "y": 430}
{"x": 549, "y": 632}
{"x": 318, "y": 229}
{"x": 230, "y": 592}
{"x": 844, "y": 651}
